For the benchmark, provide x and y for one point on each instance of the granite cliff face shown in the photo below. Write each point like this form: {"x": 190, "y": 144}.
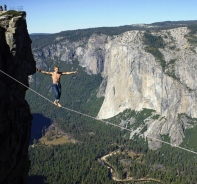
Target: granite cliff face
{"x": 16, "y": 59}
{"x": 134, "y": 78}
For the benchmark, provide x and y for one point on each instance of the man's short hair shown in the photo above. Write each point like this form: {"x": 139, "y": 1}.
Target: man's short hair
{"x": 56, "y": 67}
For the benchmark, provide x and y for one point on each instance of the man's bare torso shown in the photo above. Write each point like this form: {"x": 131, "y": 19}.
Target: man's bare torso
{"x": 56, "y": 77}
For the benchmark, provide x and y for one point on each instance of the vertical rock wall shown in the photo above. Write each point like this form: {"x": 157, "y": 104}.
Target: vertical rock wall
{"x": 16, "y": 59}
{"x": 135, "y": 80}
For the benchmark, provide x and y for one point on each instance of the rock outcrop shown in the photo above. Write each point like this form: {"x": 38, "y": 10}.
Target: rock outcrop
{"x": 16, "y": 60}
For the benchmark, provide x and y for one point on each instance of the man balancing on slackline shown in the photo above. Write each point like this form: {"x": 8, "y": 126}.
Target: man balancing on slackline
{"x": 56, "y": 86}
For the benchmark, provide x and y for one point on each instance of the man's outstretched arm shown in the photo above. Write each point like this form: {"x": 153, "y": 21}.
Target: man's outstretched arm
{"x": 42, "y": 71}
{"x": 68, "y": 73}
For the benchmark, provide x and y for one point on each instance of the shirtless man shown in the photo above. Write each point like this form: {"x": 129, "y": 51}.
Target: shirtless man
{"x": 56, "y": 86}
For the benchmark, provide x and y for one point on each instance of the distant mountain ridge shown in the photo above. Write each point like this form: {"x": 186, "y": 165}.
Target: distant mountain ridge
{"x": 43, "y": 39}
{"x": 175, "y": 23}
{"x": 161, "y": 24}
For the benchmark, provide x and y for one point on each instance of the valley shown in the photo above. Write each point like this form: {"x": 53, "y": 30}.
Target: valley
{"x": 133, "y": 79}
{"x": 115, "y": 174}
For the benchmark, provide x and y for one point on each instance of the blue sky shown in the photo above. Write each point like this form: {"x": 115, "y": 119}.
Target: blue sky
{"x": 52, "y": 16}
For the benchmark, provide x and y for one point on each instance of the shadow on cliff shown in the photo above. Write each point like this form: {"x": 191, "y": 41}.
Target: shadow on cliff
{"x": 36, "y": 180}
{"x": 39, "y": 124}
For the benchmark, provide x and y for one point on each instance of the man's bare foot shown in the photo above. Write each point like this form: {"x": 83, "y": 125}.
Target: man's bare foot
{"x": 55, "y": 102}
{"x": 59, "y": 105}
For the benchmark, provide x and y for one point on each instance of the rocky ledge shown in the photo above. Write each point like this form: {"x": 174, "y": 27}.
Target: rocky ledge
{"x": 16, "y": 60}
